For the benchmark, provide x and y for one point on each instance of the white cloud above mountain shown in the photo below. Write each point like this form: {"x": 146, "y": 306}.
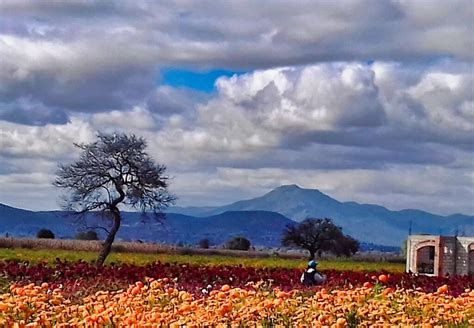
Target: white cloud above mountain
{"x": 342, "y": 104}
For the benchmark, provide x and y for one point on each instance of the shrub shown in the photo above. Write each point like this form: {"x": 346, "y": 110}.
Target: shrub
{"x": 204, "y": 243}
{"x": 45, "y": 233}
{"x": 87, "y": 235}
{"x": 185, "y": 251}
{"x": 238, "y": 243}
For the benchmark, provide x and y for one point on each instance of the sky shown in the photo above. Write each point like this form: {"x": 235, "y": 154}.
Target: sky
{"x": 368, "y": 101}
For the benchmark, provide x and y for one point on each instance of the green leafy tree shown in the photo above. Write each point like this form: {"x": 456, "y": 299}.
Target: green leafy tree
{"x": 45, "y": 233}
{"x": 319, "y": 235}
{"x": 204, "y": 243}
{"x": 238, "y": 243}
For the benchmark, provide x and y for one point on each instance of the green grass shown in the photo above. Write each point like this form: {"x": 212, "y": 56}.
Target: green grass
{"x": 37, "y": 255}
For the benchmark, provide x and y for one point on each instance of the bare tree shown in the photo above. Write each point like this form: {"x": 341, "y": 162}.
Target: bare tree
{"x": 318, "y": 235}
{"x": 111, "y": 171}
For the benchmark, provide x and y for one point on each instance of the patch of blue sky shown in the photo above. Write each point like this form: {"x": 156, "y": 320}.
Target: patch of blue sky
{"x": 198, "y": 80}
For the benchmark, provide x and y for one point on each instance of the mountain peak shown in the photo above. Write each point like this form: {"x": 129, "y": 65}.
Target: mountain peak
{"x": 297, "y": 190}
{"x": 293, "y": 194}
{"x": 289, "y": 187}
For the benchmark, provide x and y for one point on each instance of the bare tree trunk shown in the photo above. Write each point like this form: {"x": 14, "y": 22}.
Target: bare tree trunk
{"x": 311, "y": 254}
{"x": 107, "y": 246}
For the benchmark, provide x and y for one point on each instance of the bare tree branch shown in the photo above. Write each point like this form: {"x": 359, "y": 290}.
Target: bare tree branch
{"x": 112, "y": 171}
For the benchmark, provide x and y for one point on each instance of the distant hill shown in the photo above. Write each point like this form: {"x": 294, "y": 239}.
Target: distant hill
{"x": 262, "y": 228}
{"x": 23, "y": 223}
{"x": 367, "y": 223}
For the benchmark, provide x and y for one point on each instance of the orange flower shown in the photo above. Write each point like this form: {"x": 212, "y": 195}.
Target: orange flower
{"x": 443, "y": 289}
{"x": 155, "y": 305}
{"x": 135, "y": 290}
{"x": 367, "y": 284}
{"x": 383, "y": 278}
{"x": 225, "y": 308}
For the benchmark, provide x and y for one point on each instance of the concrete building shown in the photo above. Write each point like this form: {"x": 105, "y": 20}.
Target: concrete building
{"x": 440, "y": 255}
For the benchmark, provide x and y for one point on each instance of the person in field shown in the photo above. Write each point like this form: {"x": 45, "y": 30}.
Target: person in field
{"x": 311, "y": 276}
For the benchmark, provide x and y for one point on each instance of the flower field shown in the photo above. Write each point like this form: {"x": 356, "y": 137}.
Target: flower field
{"x": 80, "y": 294}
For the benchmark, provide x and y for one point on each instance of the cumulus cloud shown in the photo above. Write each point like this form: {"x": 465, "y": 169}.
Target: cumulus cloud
{"x": 345, "y": 104}
{"x": 311, "y": 98}
{"x": 50, "y": 141}
{"x": 136, "y": 119}
{"x": 79, "y": 76}
{"x": 447, "y": 99}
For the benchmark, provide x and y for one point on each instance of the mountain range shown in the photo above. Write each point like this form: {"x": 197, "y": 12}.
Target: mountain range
{"x": 260, "y": 219}
{"x": 261, "y": 227}
{"x": 365, "y": 222}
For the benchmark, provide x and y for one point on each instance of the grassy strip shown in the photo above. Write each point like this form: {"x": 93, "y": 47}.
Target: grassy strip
{"x": 132, "y": 247}
{"x": 37, "y": 255}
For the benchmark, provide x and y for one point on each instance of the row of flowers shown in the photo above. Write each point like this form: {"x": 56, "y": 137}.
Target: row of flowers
{"x": 153, "y": 302}
{"x": 83, "y": 278}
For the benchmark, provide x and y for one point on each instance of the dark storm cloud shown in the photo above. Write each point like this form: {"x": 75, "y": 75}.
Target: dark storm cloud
{"x": 32, "y": 116}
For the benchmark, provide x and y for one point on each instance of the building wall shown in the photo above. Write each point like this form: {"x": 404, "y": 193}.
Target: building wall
{"x": 465, "y": 245}
{"x": 414, "y": 244}
{"x": 447, "y": 250}
{"x": 453, "y": 255}
{"x": 471, "y": 260}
